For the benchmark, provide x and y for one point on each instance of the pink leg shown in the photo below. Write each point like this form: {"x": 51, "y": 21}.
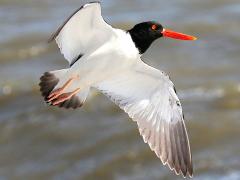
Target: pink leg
{"x": 65, "y": 96}
{"x": 56, "y": 93}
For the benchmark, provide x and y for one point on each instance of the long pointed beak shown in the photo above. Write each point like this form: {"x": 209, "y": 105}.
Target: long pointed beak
{"x": 176, "y": 35}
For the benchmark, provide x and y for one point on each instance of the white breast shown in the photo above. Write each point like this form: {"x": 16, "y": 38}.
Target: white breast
{"x": 124, "y": 44}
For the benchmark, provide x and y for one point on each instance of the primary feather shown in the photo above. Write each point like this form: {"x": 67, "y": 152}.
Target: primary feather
{"x": 149, "y": 98}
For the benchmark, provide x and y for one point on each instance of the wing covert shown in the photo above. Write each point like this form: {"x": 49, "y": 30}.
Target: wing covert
{"x": 149, "y": 98}
{"x": 83, "y": 32}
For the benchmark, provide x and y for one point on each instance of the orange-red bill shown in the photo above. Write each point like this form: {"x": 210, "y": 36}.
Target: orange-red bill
{"x": 176, "y": 35}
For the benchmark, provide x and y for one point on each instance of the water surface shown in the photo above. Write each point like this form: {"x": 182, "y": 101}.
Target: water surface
{"x": 99, "y": 141}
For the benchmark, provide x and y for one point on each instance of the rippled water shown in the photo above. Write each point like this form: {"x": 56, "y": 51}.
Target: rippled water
{"x": 99, "y": 141}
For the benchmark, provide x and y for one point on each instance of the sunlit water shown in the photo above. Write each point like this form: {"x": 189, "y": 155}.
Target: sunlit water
{"x": 99, "y": 141}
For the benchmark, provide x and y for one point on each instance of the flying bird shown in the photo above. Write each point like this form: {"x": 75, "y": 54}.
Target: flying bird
{"x": 109, "y": 59}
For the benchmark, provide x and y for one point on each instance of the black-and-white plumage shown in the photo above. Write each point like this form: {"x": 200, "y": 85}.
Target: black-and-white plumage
{"x": 109, "y": 59}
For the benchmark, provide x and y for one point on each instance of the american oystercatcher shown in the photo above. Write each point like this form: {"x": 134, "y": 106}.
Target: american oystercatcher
{"x": 109, "y": 59}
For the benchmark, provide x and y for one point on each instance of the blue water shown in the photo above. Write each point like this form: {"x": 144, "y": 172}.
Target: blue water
{"x": 99, "y": 141}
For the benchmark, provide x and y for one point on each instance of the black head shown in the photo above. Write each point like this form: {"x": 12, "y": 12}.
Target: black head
{"x": 143, "y": 34}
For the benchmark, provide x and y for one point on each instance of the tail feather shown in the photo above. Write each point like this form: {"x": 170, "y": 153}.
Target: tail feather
{"x": 49, "y": 81}
{"x": 74, "y": 103}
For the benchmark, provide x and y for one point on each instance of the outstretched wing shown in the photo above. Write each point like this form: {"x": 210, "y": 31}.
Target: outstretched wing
{"x": 149, "y": 98}
{"x": 83, "y": 32}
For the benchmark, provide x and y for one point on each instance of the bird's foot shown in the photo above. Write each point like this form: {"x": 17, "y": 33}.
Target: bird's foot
{"x": 55, "y": 94}
{"x": 58, "y": 92}
{"x": 63, "y": 97}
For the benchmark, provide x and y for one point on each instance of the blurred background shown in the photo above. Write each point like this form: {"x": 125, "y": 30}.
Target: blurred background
{"x": 99, "y": 141}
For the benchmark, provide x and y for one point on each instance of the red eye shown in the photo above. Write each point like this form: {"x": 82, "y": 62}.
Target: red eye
{"x": 154, "y": 27}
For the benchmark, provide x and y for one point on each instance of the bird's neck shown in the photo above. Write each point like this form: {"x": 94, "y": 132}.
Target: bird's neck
{"x": 141, "y": 41}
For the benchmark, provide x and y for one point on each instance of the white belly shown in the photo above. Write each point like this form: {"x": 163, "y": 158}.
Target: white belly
{"x": 114, "y": 57}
